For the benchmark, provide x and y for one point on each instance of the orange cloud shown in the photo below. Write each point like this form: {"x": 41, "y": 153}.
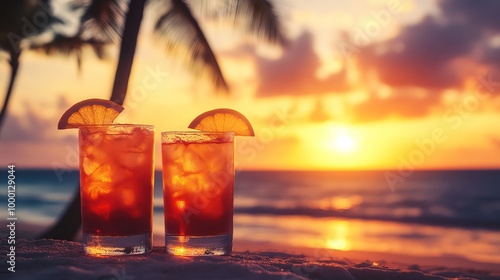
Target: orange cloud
{"x": 294, "y": 72}
{"x": 424, "y": 54}
{"x": 421, "y": 56}
{"x": 403, "y": 104}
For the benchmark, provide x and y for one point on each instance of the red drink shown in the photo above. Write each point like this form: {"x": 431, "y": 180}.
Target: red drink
{"x": 116, "y": 187}
{"x": 198, "y": 183}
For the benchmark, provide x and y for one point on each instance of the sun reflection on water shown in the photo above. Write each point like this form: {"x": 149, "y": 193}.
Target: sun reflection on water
{"x": 341, "y": 202}
{"x": 339, "y": 236}
{"x": 178, "y": 251}
{"x": 368, "y": 236}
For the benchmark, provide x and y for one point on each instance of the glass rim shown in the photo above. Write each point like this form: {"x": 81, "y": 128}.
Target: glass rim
{"x": 116, "y": 125}
{"x": 197, "y": 132}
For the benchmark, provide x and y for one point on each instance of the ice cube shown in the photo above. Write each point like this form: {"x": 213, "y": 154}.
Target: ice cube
{"x": 116, "y": 137}
{"x": 193, "y": 163}
{"x": 178, "y": 181}
{"x": 120, "y": 175}
{"x": 89, "y": 165}
{"x": 193, "y": 183}
{"x": 95, "y": 138}
{"x": 96, "y": 189}
{"x": 206, "y": 151}
{"x": 110, "y": 173}
{"x": 102, "y": 174}
{"x": 210, "y": 188}
{"x": 132, "y": 160}
{"x": 86, "y": 149}
{"x": 172, "y": 152}
{"x": 135, "y": 155}
{"x": 143, "y": 145}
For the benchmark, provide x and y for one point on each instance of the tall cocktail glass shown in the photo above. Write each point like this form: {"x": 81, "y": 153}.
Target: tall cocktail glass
{"x": 116, "y": 188}
{"x": 198, "y": 186}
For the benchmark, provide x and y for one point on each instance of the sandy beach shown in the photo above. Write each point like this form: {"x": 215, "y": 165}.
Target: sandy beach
{"x": 51, "y": 259}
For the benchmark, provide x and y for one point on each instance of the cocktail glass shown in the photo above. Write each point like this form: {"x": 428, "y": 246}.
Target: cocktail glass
{"x": 116, "y": 188}
{"x": 198, "y": 186}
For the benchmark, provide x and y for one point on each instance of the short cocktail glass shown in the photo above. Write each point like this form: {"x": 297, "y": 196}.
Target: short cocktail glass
{"x": 116, "y": 188}
{"x": 198, "y": 186}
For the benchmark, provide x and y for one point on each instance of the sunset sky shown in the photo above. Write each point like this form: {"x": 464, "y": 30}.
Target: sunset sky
{"x": 373, "y": 85}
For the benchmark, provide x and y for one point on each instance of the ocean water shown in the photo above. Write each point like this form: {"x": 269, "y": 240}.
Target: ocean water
{"x": 437, "y": 213}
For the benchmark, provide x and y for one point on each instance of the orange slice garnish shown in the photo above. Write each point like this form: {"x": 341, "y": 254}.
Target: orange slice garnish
{"x": 89, "y": 112}
{"x": 223, "y": 120}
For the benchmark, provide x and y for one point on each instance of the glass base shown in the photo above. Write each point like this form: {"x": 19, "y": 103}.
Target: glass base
{"x": 117, "y": 245}
{"x": 199, "y": 245}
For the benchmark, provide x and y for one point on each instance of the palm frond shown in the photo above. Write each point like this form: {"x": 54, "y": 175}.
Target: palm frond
{"x": 63, "y": 45}
{"x": 256, "y": 16}
{"x": 78, "y": 4}
{"x": 13, "y": 25}
{"x": 67, "y": 46}
{"x": 181, "y": 34}
{"x": 103, "y": 20}
{"x": 261, "y": 19}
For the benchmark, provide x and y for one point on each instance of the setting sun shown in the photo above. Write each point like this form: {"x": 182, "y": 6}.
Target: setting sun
{"x": 341, "y": 141}
{"x": 344, "y": 143}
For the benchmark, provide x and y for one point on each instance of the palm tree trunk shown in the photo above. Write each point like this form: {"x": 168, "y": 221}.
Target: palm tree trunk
{"x": 68, "y": 225}
{"x": 14, "y": 67}
{"x": 127, "y": 50}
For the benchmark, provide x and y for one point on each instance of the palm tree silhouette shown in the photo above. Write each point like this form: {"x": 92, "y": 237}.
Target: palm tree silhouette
{"x": 71, "y": 46}
{"x": 180, "y": 33}
{"x": 20, "y": 24}
{"x": 14, "y": 28}
{"x": 178, "y": 30}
